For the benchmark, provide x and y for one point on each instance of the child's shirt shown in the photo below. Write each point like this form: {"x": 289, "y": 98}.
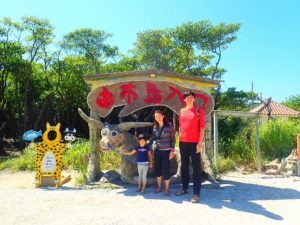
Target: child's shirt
{"x": 142, "y": 154}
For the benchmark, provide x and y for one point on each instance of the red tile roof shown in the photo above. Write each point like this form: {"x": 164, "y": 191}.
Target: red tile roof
{"x": 276, "y": 110}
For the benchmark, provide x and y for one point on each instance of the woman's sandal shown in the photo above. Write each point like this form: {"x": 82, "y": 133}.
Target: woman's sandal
{"x": 181, "y": 192}
{"x": 195, "y": 199}
{"x": 167, "y": 193}
{"x": 158, "y": 190}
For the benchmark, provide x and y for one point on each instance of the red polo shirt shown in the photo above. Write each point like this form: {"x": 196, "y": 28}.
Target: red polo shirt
{"x": 189, "y": 124}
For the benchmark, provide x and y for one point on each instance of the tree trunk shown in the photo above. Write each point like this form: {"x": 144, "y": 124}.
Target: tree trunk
{"x": 95, "y": 125}
{"x": 94, "y": 162}
{"x": 2, "y": 152}
{"x": 41, "y": 113}
{"x": 26, "y": 106}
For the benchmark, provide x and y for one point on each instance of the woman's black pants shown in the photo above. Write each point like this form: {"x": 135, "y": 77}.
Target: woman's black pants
{"x": 162, "y": 163}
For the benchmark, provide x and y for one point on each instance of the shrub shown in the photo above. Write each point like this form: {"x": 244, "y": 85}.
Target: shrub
{"x": 225, "y": 164}
{"x": 241, "y": 147}
{"x": 241, "y": 151}
{"x": 76, "y": 157}
{"x": 278, "y": 138}
{"x": 229, "y": 128}
{"x": 24, "y": 162}
{"x": 110, "y": 160}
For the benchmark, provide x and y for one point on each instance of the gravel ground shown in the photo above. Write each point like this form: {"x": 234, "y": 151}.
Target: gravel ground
{"x": 243, "y": 199}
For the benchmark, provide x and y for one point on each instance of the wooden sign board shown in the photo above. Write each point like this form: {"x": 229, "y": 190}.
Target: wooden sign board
{"x": 136, "y": 95}
{"x": 139, "y": 89}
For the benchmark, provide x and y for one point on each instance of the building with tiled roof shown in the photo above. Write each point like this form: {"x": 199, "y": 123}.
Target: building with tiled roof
{"x": 271, "y": 109}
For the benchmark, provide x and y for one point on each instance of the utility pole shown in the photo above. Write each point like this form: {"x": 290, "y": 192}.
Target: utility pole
{"x": 252, "y": 95}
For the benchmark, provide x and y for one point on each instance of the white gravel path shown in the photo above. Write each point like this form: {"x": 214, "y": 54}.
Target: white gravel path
{"x": 244, "y": 199}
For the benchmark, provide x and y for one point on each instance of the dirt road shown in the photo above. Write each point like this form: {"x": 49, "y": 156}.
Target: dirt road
{"x": 243, "y": 199}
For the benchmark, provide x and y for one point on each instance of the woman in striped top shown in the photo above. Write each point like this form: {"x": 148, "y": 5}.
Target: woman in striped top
{"x": 164, "y": 137}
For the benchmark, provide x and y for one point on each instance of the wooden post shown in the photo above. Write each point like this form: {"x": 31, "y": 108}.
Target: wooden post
{"x": 298, "y": 146}
{"x": 93, "y": 169}
{"x": 259, "y": 163}
{"x": 208, "y": 135}
{"x": 216, "y": 142}
{"x": 298, "y": 155}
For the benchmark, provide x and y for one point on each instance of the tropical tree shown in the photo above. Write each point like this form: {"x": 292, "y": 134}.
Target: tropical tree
{"x": 38, "y": 35}
{"x": 10, "y": 62}
{"x": 293, "y": 102}
{"x": 235, "y": 100}
{"x": 91, "y": 44}
{"x": 124, "y": 63}
{"x": 155, "y": 49}
{"x": 69, "y": 88}
{"x": 193, "y": 48}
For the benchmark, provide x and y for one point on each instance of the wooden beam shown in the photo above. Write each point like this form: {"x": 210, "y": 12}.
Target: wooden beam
{"x": 298, "y": 146}
{"x": 216, "y": 142}
{"x": 236, "y": 114}
{"x": 298, "y": 155}
{"x": 259, "y": 162}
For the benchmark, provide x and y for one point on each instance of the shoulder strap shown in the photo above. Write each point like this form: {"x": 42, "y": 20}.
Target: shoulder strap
{"x": 198, "y": 116}
{"x": 158, "y": 137}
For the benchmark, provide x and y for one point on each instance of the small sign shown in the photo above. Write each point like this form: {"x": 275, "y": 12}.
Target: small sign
{"x": 48, "y": 164}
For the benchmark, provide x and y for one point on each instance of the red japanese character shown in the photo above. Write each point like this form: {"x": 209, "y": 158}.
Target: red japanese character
{"x": 128, "y": 92}
{"x": 105, "y": 99}
{"x": 153, "y": 94}
{"x": 175, "y": 92}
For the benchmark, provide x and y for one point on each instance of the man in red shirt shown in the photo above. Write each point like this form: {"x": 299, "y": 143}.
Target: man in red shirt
{"x": 191, "y": 134}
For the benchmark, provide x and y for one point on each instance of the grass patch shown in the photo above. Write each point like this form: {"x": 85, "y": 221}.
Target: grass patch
{"x": 109, "y": 186}
{"x": 24, "y": 162}
{"x": 110, "y": 160}
{"x": 225, "y": 165}
{"x": 76, "y": 158}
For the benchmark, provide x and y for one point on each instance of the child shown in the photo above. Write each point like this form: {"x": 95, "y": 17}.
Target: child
{"x": 143, "y": 159}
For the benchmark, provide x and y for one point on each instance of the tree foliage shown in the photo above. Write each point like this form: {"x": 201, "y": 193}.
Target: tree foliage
{"x": 192, "y": 48}
{"x": 90, "y": 44}
{"x": 235, "y": 100}
{"x": 293, "y": 102}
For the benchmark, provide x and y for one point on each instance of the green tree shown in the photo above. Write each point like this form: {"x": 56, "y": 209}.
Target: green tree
{"x": 11, "y": 53}
{"x": 235, "y": 100}
{"x": 38, "y": 35}
{"x": 193, "y": 48}
{"x": 125, "y": 63}
{"x": 155, "y": 49}
{"x": 68, "y": 88}
{"x": 293, "y": 102}
{"x": 91, "y": 44}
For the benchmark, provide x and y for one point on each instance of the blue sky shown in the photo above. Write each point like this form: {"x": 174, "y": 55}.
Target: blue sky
{"x": 266, "y": 52}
